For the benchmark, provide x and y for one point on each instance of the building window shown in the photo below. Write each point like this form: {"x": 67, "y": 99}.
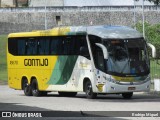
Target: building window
{"x": 58, "y": 20}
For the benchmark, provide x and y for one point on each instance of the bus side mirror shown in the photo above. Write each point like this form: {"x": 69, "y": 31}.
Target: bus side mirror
{"x": 153, "y": 49}
{"x": 104, "y": 49}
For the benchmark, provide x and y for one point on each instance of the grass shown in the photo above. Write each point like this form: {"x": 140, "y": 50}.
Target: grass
{"x": 3, "y": 62}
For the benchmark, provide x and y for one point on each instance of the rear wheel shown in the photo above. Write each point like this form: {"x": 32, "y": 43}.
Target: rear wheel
{"x": 88, "y": 90}
{"x": 35, "y": 90}
{"x": 26, "y": 88}
{"x": 127, "y": 95}
{"x": 68, "y": 94}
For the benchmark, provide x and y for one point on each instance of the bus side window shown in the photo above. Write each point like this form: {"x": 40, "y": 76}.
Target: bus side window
{"x": 97, "y": 52}
{"x": 31, "y": 46}
{"x": 70, "y": 45}
{"x": 43, "y": 46}
{"x": 12, "y": 42}
{"x": 56, "y": 46}
{"x": 21, "y": 47}
{"x": 83, "y": 47}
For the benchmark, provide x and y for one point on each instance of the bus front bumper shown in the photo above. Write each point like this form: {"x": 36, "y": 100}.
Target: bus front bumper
{"x": 110, "y": 87}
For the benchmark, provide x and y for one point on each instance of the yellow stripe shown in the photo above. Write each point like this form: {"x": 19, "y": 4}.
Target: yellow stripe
{"x": 124, "y": 79}
{"x": 53, "y": 32}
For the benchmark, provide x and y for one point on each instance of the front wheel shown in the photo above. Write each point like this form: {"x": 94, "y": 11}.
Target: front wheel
{"x": 89, "y": 92}
{"x": 127, "y": 95}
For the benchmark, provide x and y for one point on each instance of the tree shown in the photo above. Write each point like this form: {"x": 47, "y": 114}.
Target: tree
{"x": 156, "y": 2}
{"x": 0, "y": 3}
{"x": 152, "y": 34}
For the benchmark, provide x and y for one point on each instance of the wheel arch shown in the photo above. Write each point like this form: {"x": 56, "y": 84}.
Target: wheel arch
{"x": 33, "y": 78}
{"x": 84, "y": 82}
{"x": 24, "y": 78}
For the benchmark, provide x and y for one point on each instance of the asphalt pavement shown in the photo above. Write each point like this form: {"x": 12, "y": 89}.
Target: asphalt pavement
{"x": 110, "y": 106}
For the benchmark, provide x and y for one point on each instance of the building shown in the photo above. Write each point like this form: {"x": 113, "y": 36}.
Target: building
{"x": 12, "y": 3}
{"x": 7, "y": 3}
{"x": 104, "y": 2}
{"x": 40, "y": 3}
{"x": 37, "y": 3}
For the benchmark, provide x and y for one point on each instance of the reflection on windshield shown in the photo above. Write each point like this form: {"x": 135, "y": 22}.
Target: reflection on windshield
{"x": 127, "y": 56}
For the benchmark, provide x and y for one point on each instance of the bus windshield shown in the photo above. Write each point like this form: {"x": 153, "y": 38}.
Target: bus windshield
{"x": 127, "y": 57}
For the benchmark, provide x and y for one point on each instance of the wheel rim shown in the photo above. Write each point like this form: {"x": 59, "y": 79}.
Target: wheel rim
{"x": 34, "y": 88}
{"x": 89, "y": 89}
{"x": 26, "y": 87}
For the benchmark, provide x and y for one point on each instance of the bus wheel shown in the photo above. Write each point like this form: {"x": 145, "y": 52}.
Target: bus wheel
{"x": 67, "y": 94}
{"x": 89, "y": 92}
{"x": 127, "y": 95}
{"x": 35, "y": 90}
{"x": 27, "y": 88}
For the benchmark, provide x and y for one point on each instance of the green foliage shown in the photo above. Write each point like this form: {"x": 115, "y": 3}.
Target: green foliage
{"x": 156, "y": 2}
{"x": 152, "y": 33}
{"x": 3, "y": 63}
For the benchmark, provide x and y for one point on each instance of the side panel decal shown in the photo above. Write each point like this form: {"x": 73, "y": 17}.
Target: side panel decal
{"x": 62, "y": 70}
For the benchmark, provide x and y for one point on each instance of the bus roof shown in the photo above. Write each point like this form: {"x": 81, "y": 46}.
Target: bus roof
{"x": 103, "y": 31}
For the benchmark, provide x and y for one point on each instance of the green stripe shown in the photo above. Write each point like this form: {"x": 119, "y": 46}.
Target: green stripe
{"x": 63, "y": 70}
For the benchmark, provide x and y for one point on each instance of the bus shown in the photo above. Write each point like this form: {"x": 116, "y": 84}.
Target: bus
{"x": 92, "y": 59}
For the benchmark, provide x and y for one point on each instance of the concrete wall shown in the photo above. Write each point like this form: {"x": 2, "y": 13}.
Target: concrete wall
{"x": 7, "y": 3}
{"x": 16, "y": 20}
{"x": 37, "y": 3}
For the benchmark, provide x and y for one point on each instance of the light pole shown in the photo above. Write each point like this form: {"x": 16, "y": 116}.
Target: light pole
{"x": 45, "y": 16}
{"x": 134, "y": 15}
{"x": 143, "y": 18}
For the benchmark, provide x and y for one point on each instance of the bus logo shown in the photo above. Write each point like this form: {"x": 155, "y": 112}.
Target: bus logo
{"x": 35, "y": 62}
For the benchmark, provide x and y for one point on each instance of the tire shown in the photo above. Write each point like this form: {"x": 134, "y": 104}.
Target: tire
{"x": 89, "y": 92}
{"x": 68, "y": 94}
{"x": 27, "y": 88}
{"x": 35, "y": 90}
{"x": 127, "y": 95}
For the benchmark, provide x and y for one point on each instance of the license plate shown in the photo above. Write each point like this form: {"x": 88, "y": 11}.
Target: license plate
{"x": 131, "y": 88}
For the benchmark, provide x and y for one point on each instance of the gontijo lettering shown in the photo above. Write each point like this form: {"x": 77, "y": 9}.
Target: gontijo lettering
{"x": 36, "y": 62}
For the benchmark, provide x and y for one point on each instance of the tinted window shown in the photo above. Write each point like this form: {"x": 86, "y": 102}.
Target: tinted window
{"x": 43, "y": 46}
{"x": 57, "y": 46}
{"x": 97, "y": 52}
{"x": 12, "y": 46}
{"x": 31, "y": 46}
{"x": 64, "y": 45}
{"x": 21, "y": 47}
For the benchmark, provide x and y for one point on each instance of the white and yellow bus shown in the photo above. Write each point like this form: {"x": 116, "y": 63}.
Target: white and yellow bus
{"x": 93, "y": 59}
